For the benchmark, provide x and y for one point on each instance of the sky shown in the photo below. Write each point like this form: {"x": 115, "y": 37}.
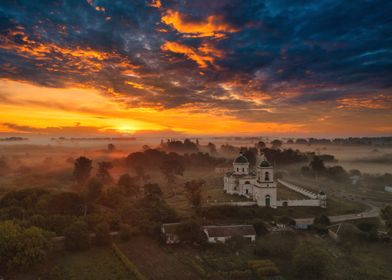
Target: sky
{"x": 227, "y": 67}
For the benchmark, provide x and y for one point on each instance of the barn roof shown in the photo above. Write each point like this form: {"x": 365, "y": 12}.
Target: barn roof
{"x": 230, "y": 230}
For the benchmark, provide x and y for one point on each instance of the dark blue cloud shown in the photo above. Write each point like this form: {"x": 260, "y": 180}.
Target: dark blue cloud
{"x": 325, "y": 49}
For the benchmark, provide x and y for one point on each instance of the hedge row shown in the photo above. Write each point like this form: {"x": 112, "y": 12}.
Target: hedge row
{"x": 129, "y": 265}
{"x": 263, "y": 268}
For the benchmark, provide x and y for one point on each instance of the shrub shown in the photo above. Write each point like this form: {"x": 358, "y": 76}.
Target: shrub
{"x": 310, "y": 261}
{"x": 276, "y": 245}
{"x": 77, "y": 236}
{"x": 20, "y": 248}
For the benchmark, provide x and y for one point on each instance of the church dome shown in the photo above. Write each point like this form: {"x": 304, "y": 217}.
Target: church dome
{"x": 265, "y": 163}
{"x": 241, "y": 159}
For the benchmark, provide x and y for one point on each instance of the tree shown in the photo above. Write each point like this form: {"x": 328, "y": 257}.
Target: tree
{"x": 276, "y": 144}
{"x": 171, "y": 169}
{"x": 337, "y": 173}
{"x": 127, "y": 184}
{"x": 21, "y": 248}
{"x": 102, "y": 234}
{"x": 82, "y": 170}
{"x": 103, "y": 172}
{"x": 65, "y": 203}
{"x": 152, "y": 192}
{"x": 140, "y": 174}
{"x": 111, "y": 148}
{"x": 386, "y": 215}
{"x": 212, "y": 148}
{"x": 4, "y": 167}
{"x": 317, "y": 165}
{"x": 77, "y": 236}
{"x": 91, "y": 193}
{"x": 193, "y": 192}
{"x": 310, "y": 261}
{"x": 260, "y": 145}
{"x": 190, "y": 231}
{"x": 321, "y": 223}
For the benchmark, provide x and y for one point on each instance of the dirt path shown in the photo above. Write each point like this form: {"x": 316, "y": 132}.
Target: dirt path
{"x": 154, "y": 262}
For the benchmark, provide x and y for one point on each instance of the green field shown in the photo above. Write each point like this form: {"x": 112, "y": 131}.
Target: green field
{"x": 93, "y": 264}
{"x": 158, "y": 261}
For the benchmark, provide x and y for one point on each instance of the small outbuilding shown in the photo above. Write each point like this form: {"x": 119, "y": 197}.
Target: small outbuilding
{"x": 223, "y": 233}
{"x": 170, "y": 233}
{"x": 341, "y": 231}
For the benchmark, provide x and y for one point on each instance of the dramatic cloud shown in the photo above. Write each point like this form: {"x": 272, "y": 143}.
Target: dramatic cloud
{"x": 212, "y": 26}
{"x": 252, "y": 66}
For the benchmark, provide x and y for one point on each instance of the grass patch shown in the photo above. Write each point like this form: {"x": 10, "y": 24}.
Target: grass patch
{"x": 93, "y": 264}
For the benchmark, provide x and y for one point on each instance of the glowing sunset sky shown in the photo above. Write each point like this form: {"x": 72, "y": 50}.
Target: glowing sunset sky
{"x": 227, "y": 67}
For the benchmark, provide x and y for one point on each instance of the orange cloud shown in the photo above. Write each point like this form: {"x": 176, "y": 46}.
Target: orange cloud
{"x": 35, "y": 109}
{"x": 212, "y": 26}
{"x": 201, "y": 59}
{"x": 375, "y": 102}
{"x": 156, "y": 4}
{"x": 76, "y": 60}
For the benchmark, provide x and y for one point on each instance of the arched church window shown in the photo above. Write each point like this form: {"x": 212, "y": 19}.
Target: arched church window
{"x": 266, "y": 176}
{"x": 267, "y": 200}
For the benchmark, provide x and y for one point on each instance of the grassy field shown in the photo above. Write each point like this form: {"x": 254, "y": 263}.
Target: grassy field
{"x": 155, "y": 262}
{"x": 286, "y": 194}
{"x": 93, "y": 264}
{"x": 160, "y": 262}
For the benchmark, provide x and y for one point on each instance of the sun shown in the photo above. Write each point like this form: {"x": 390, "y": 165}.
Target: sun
{"x": 126, "y": 129}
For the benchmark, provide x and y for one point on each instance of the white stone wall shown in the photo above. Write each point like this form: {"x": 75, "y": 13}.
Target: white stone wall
{"x": 298, "y": 189}
{"x": 232, "y": 203}
{"x": 224, "y": 239}
{"x": 299, "y": 202}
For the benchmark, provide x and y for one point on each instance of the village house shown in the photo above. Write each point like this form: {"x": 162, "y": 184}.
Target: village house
{"x": 216, "y": 234}
{"x": 170, "y": 233}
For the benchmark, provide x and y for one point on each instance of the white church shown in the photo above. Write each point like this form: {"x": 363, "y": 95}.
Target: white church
{"x": 260, "y": 186}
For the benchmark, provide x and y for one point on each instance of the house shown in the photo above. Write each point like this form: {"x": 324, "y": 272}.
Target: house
{"x": 223, "y": 233}
{"x": 388, "y": 189}
{"x": 170, "y": 233}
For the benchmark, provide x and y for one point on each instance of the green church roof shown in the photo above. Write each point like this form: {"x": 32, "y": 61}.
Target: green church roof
{"x": 265, "y": 163}
{"x": 241, "y": 159}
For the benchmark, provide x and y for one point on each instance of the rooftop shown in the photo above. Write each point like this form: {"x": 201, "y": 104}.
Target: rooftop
{"x": 230, "y": 230}
{"x": 241, "y": 159}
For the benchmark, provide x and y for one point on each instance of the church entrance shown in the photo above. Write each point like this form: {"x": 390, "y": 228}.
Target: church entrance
{"x": 267, "y": 201}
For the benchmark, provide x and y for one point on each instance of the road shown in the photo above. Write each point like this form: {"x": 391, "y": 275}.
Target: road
{"x": 373, "y": 211}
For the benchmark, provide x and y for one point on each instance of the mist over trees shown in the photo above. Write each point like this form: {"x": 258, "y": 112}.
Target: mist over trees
{"x": 82, "y": 170}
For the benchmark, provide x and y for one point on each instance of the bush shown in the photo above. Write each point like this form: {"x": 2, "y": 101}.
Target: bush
{"x": 263, "y": 268}
{"x": 310, "y": 261}
{"x": 77, "y": 236}
{"x": 20, "y": 248}
{"x": 279, "y": 245}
